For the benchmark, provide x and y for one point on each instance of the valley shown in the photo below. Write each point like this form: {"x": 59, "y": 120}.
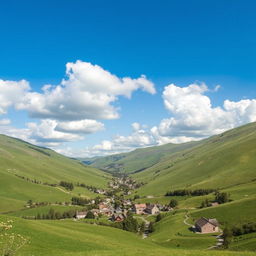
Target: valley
{"x": 145, "y": 201}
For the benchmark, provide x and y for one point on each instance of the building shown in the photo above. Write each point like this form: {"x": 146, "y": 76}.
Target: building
{"x": 152, "y": 209}
{"x": 204, "y": 225}
{"x": 81, "y": 215}
{"x": 139, "y": 208}
{"x": 118, "y": 217}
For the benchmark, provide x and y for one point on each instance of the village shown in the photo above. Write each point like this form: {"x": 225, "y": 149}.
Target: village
{"x": 115, "y": 207}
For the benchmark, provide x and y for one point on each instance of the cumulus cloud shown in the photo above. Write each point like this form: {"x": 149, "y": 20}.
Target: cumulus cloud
{"x": 12, "y": 93}
{"x": 192, "y": 117}
{"x": 45, "y": 133}
{"x": 88, "y": 93}
{"x": 82, "y": 127}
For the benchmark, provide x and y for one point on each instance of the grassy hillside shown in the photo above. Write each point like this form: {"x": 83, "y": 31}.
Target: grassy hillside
{"x": 20, "y": 159}
{"x": 222, "y": 161}
{"x": 67, "y": 237}
{"x": 137, "y": 160}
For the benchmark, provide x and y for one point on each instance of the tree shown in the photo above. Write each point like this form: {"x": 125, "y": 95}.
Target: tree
{"x": 38, "y": 216}
{"x": 158, "y": 217}
{"x": 221, "y": 198}
{"x": 142, "y": 227}
{"x": 29, "y": 202}
{"x": 227, "y": 237}
{"x": 130, "y": 224}
{"x": 173, "y": 203}
{"x": 151, "y": 227}
{"x": 90, "y": 215}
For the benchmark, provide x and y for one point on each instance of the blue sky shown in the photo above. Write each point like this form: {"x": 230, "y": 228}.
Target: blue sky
{"x": 170, "y": 42}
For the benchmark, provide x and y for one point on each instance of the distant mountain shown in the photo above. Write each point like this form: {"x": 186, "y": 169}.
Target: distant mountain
{"x": 137, "y": 160}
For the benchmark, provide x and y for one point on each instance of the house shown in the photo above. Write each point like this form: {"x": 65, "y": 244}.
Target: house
{"x": 204, "y": 225}
{"x": 118, "y": 217}
{"x": 139, "y": 208}
{"x": 80, "y": 215}
{"x": 152, "y": 209}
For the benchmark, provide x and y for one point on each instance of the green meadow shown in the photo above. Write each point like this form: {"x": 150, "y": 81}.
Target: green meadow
{"x": 68, "y": 237}
{"x": 225, "y": 162}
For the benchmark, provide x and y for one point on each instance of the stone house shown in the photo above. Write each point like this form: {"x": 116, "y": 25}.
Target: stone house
{"x": 152, "y": 209}
{"x": 204, "y": 225}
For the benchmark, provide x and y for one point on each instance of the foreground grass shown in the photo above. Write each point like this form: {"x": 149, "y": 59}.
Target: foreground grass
{"x": 79, "y": 239}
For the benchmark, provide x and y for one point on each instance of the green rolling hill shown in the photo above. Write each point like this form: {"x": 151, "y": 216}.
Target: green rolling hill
{"x": 137, "y": 160}
{"x": 21, "y": 163}
{"x": 225, "y": 162}
{"x": 68, "y": 237}
{"x": 220, "y": 162}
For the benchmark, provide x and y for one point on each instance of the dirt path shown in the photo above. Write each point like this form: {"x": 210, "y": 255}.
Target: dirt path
{"x": 219, "y": 242}
{"x": 185, "y": 221}
{"x": 63, "y": 190}
{"x": 145, "y": 234}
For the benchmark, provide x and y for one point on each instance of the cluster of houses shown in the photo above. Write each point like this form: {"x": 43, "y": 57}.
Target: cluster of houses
{"x": 119, "y": 214}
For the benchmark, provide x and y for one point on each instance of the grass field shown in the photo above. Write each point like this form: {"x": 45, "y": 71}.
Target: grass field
{"x": 221, "y": 162}
{"x": 21, "y": 159}
{"x": 75, "y": 238}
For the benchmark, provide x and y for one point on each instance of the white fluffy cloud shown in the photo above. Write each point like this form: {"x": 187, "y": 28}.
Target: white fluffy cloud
{"x": 45, "y": 133}
{"x": 88, "y": 93}
{"x": 71, "y": 108}
{"x": 192, "y": 118}
{"x": 81, "y": 127}
{"x": 12, "y": 93}
{"x": 193, "y": 115}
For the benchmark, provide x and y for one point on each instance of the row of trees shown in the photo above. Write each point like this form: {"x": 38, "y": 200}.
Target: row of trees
{"x": 55, "y": 215}
{"x": 186, "y": 192}
{"x": 67, "y": 185}
{"x": 79, "y": 201}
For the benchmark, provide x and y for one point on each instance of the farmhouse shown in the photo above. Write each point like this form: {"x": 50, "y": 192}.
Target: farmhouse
{"x": 152, "y": 209}
{"x": 139, "y": 208}
{"x": 80, "y": 215}
{"x": 204, "y": 225}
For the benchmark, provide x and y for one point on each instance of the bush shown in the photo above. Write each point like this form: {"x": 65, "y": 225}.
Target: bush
{"x": 67, "y": 185}
{"x": 173, "y": 203}
{"x": 90, "y": 215}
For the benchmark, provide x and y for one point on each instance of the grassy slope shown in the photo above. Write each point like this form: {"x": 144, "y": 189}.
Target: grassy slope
{"x": 222, "y": 161}
{"x": 138, "y": 159}
{"x": 45, "y": 165}
{"x": 75, "y": 238}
